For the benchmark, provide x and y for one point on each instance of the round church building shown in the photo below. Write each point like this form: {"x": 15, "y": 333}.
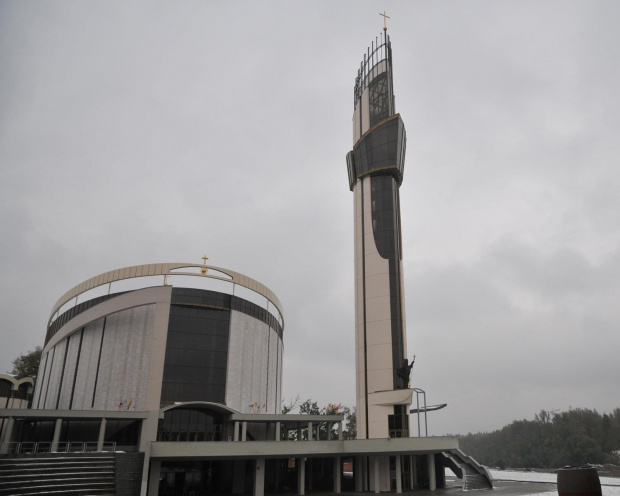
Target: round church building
{"x": 152, "y": 336}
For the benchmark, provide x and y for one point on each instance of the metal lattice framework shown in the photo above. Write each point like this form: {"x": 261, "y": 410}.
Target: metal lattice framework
{"x": 378, "y": 51}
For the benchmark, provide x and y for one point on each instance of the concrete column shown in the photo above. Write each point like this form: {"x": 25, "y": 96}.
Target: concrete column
{"x": 337, "y": 475}
{"x": 277, "y": 431}
{"x": 259, "y": 477}
{"x": 432, "y": 481}
{"x": 298, "y": 433}
{"x": 375, "y": 465}
{"x": 329, "y": 431}
{"x": 310, "y": 436}
{"x": 358, "y": 473}
{"x": 148, "y": 434}
{"x": 236, "y": 431}
{"x": 340, "y": 431}
{"x": 244, "y": 431}
{"x": 56, "y": 437}
{"x": 101, "y": 438}
{"x": 300, "y": 465}
{"x": 413, "y": 475}
{"x": 399, "y": 476}
{"x": 154, "y": 472}
{"x": 7, "y": 434}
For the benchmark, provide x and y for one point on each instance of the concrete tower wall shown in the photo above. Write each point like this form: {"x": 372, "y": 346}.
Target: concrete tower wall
{"x": 375, "y": 168}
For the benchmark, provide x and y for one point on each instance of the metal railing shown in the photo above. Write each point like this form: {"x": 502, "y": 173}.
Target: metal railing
{"x": 378, "y": 51}
{"x": 16, "y": 448}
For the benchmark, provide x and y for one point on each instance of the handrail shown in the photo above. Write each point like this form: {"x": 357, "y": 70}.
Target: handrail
{"x": 21, "y": 447}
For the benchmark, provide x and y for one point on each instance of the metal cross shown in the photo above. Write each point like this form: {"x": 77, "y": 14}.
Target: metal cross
{"x": 204, "y": 259}
{"x": 385, "y": 17}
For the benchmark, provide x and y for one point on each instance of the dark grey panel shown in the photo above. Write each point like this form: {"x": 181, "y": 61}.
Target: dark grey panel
{"x": 385, "y": 208}
{"x": 382, "y": 150}
{"x": 379, "y": 99}
{"x": 196, "y": 354}
{"x": 74, "y": 312}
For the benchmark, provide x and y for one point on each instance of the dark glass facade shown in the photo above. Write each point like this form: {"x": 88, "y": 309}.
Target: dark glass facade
{"x": 5, "y": 388}
{"x": 379, "y": 99}
{"x": 380, "y": 151}
{"x": 184, "y": 424}
{"x": 196, "y": 354}
{"x": 197, "y": 348}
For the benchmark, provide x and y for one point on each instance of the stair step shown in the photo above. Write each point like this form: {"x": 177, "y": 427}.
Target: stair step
{"x": 59, "y": 475}
{"x": 67, "y": 485}
{"x": 65, "y": 480}
{"x": 76, "y": 492}
{"x": 74, "y": 475}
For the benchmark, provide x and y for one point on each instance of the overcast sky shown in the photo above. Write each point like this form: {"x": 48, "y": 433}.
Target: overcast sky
{"x": 143, "y": 132}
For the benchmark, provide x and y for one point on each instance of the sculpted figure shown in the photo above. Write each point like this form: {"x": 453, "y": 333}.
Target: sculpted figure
{"x": 405, "y": 372}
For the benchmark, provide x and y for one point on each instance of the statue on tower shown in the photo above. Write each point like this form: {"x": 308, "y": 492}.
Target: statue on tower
{"x": 404, "y": 372}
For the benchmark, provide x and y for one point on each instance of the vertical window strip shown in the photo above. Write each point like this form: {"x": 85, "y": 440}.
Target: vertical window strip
{"x": 42, "y": 377}
{"x": 92, "y": 405}
{"x": 268, "y": 350}
{"x": 77, "y": 365}
{"x": 49, "y": 374}
{"x": 62, "y": 373}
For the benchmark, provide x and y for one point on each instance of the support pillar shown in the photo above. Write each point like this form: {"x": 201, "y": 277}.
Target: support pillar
{"x": 432, "y": 480}
{"x": 310, "y": 436}
{"x": 259, "y": 477}
{"x": 244, "y": 431}
{"x": 375, "y": 466}
{"x": 56, "y": 438}
{"x": 298, "y": 433}
{"x": 236, "y": 431}
{"x": 340, "y": 431}
{"x": 277, "y": 431}
{"x": 337, "y": 475}
{"x": 399, "y": 475}
{"x": 101, "y": 438}
{"x": 300, "y": 465}
{"x": 413, "y": 472}
{"x": 358, "y": 472}
{"x": 154, "y": 472}
{"x": 148, "y": 433}
{"x": 7, "y": 434}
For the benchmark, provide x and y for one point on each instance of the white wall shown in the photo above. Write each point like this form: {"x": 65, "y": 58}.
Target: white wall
{"x": 254, "y": 365}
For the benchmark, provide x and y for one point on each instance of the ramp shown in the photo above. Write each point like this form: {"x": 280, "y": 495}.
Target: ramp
{"x": 473, "y": 475}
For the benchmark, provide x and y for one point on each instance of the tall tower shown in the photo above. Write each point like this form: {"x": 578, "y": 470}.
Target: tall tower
{"x": 375, "y": 167}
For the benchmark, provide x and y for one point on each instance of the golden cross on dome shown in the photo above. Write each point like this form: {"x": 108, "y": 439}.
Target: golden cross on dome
{"x": 385, "y": 17}
{"x": 204, "y": 262}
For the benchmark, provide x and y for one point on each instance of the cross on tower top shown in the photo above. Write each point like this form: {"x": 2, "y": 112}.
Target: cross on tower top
{"x": 385, "y": 17}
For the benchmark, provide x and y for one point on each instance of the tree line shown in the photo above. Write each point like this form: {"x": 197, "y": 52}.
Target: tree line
{"x": 552, "y": 440}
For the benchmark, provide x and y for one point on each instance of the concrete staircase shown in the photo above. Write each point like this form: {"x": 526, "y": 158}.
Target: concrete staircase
{"x": 58, "y": 474}
{"x": 473, "y": 475}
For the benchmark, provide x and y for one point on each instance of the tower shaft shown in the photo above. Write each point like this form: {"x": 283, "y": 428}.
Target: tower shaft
{"x": 375, "y": 167}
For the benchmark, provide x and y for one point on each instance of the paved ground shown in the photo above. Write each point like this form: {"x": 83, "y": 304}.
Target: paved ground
{"x": 501, "y": 488}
